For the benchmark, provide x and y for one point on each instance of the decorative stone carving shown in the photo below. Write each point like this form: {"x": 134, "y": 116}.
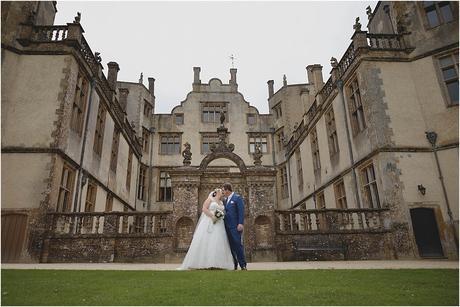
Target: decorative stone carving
{"x": 77, "y": 18}
{"x": 334, "y": 62}
{"x": 257, "y": 155}
{"x": 187, "y": 154}
{"x": 97, "y": 55}
{"x": 31, "y": 18}
{"x": 357, "y": 25}
{"x": 141, "y": 78}
{"x": 284, "y": 80}
{"x": 222, "y": 118}
{"x": 369, "y": 12}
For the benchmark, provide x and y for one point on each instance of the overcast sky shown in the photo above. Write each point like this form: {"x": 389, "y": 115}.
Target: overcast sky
{"x": 165, "y": 40}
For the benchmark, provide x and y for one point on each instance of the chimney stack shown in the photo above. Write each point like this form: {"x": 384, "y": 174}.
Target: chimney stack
{"x": 123, "y": 97}
{"x": 152, "y": 86}
{"x": 112, "y": 74}
{"x": 315, "y": 76}
{"x": 270, "y": 88}
{"x": 196, "y": 75}
{"x": 232, "y": 75}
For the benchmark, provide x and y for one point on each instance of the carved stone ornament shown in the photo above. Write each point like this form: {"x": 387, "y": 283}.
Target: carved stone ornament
{"x": 97, "y": 55}
{"x": 369, "y": 12}
{"x": 334, "y": 62}
{"x": 222, "y": 146}
{"x": 357, "y": 25}
{"x": 222, "y": 118}
{"x": 187, "y": 154}
{"x": 257, "y": 155}
{"x": 77, "y": 18}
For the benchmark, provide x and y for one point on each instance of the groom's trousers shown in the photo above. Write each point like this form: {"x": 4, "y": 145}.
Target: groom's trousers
{"x": 234, "y": 238}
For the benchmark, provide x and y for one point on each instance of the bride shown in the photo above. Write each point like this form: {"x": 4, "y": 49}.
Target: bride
{"x": 209, "y": 247}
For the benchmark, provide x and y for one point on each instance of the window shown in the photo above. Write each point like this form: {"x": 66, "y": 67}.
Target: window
{"x": 284, "y": 182}
{"x": 211, "y": 112}
{"x": 371, "y": 194}
{"x": 170, "y": 144}
{"x": 79, "y": 104}
{"x": 66, "y": 189}
{"x": 449, "y": 70}
{"x": 438, "y": 12}
{"x": 207, "y": 140}
{"x": 340, "y": 197}
{"x": 320, "y": 201}
{"x": 331, "y": 132}
{"x": 258, "y": 140}
{"x": 165, "y": 193}
{"x": 179, "y": 119}
{"x": 315, "y": 150}
{"x": 114, "y": 152}
{"x": 109, "y": 203}
{"x": 100, "y": 126}
{"x": 129, "y": 169}
{"x": 142, "y": 182}
{"x": 355, "y": 106}
{"x": 278, "y": 110}
{"x": 145, "y": 140}
{"x": 90, "y": 204}
{"x": 251, "y": 119}
{"x": 298, "y": 158}
{"x": 147, "y": 108}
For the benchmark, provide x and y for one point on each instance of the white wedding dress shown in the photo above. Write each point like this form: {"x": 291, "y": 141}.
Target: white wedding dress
{"x": 209, "y": 247}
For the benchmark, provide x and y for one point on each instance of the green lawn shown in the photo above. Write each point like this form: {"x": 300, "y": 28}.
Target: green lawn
{"x": 307, "y": 287}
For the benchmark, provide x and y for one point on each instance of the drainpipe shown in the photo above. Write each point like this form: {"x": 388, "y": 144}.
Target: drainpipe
{"x": 272, "y": 130}
{"x": 432, "y": 136}
{"x": 149, "y": 195}
{"x": 289, "y": 182}
{"x": 77, "y": 201}
{"x": 350, "y": 149}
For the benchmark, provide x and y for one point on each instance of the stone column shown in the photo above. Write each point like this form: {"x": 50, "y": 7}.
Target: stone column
{"x": 196, "y": 79}
{"x": 270, "y": 88}
{"x": 259, "y": 239}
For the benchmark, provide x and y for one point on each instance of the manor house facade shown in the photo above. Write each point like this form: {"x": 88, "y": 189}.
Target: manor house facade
{"x": 363, "y": 165}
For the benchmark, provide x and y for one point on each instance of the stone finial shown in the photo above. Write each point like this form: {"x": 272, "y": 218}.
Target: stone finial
{"x": 141, "y": 78}
{"x": 369, "y": 12}
{"x": 112, "y": 74}
{"x": 187, "y": 154}
{"x": 357, "y": 25}
{"x": 257, "y": 155}
{"x": 284, "y": 80}
{"x": 77, "y": 18}
{"x": 97, "y": 55}
{"x": 152, "y": 86}
{"x": 334, "y": 62}
{"x": 233, "y": 75}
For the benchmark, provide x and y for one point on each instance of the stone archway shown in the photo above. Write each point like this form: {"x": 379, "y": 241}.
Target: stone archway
{"x": 225, "y": 155}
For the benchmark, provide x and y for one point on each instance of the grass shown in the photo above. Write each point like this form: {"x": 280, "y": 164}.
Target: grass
{"x": 306, "y": 287}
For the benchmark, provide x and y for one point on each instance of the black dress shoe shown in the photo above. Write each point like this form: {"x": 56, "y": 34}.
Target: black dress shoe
{"x": 244, "y": 269}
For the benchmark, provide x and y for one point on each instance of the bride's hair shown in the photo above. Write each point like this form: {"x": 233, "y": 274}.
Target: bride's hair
{"x": 214, "y": 193}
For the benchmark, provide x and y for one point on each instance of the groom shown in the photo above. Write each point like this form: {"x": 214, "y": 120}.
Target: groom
{"x": 234, "y": 219}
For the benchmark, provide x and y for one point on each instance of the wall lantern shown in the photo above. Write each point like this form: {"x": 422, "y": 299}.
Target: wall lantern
{"x": 421, "y": 189}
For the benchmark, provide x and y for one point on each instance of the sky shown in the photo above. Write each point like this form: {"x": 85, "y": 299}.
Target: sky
{"x": 165, "y": 40}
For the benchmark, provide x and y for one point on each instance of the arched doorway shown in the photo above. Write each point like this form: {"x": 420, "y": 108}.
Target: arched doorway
{"x": 426, "y": 232}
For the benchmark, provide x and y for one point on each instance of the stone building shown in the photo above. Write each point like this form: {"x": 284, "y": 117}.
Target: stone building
{"x": 362, "y": 166}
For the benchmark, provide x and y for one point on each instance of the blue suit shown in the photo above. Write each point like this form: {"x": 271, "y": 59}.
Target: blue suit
{"x": 234, "y": 215}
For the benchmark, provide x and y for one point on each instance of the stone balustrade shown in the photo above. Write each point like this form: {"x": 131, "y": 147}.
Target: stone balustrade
{"x": 109, "y": 223}
{"x": 386, "y": 41}
{"x": 49, "y": 33}
{"x": 330, "y": 221}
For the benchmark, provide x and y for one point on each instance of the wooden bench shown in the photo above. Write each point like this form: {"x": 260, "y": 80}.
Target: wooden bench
{"x": 302, "y": 246}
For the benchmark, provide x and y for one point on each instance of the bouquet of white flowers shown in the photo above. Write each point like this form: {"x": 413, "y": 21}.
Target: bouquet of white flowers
{"x": 219, "y": 214}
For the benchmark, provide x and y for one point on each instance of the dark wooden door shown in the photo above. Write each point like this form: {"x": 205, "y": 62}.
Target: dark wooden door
{"x": 13, "y": 236}
{"x": 426, "y": 232}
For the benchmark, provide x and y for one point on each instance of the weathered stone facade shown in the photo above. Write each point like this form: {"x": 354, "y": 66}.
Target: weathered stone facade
{"x": 341, "y": 168}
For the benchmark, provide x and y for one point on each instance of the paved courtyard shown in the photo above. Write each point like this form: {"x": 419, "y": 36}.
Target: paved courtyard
{"x": 304, "y": 265}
